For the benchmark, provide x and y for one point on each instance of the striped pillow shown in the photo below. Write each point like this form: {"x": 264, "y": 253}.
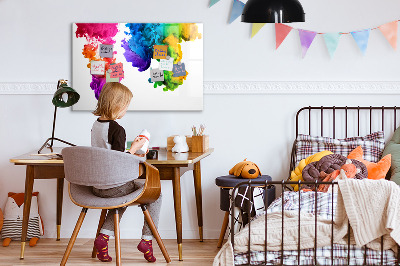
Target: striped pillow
{"x": 372, "y": 145}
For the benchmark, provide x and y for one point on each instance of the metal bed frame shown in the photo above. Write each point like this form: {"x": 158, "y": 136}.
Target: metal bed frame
{"x": 283, "y": 184}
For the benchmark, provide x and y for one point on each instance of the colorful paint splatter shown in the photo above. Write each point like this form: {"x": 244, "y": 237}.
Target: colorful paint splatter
{"x": 138, "y": 47}
{"x": 95, "y": 34}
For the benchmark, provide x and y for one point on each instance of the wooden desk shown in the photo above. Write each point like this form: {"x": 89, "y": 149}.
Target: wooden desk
{"x": 171, "y": 167}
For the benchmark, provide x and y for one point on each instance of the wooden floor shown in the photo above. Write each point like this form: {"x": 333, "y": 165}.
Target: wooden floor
{"x": 50, "y": 252}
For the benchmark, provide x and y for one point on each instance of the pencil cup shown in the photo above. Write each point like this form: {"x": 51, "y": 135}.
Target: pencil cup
{"x": 200, "y": 143}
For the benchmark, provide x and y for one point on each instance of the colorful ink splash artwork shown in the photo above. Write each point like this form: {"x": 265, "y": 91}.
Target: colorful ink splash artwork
{"x": 161, "y": 63}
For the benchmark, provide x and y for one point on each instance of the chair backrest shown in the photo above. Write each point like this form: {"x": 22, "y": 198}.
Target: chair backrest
{"x": 92, "y": 166}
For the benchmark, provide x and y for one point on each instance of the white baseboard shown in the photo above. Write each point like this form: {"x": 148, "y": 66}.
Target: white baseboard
{"x": 247, "y": 87}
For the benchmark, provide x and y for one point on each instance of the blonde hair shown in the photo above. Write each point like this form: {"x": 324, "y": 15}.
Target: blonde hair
{"x": 114, "y": 97}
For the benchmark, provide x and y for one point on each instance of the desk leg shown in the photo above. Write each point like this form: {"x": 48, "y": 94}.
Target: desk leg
{"x": 176, "y": 182}
{"x": 199, "y": 204}
{"x": 60, "y": 190}
{"x": 27, "y": 206}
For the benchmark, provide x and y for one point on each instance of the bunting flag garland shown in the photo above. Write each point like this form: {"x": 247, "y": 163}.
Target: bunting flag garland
{"x": 306, "y": 39}
{"x": 213, "y": 2}
{"x": 332, "y": 41}
{"x": 281, "y": 31}
{"x": 256, "y": 27}
{"x": 237, "y": 8}
{"x": 361, "y": 37}
{"x": 389, "y": 30}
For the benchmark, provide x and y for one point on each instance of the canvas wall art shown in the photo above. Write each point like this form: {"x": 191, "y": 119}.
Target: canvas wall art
{"x": 161, "y": 63}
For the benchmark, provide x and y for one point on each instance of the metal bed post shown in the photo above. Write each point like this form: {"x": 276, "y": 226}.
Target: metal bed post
{"x": 298, "y": 238}
{"x": 266, "y": 221}
{"x": 333, "y": 189}
{"x": 315, "y": 223}
{"x": 283, "y": 210}
{"x": 333, "y": 114}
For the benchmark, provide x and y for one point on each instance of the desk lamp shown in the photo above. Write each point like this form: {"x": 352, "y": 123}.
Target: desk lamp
{"x": 273, "y": 11}
{"x": 63, "y": 97}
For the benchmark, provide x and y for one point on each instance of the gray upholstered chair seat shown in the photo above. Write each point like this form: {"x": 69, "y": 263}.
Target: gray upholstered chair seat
{"x": 85, "y": 167}
{"x": 83, "y": 195}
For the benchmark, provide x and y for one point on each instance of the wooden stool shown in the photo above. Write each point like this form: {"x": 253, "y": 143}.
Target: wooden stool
{"x": 226, "y": 183}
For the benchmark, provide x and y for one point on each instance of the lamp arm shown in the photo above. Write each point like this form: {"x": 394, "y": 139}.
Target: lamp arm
{"x": 54, "y": 126}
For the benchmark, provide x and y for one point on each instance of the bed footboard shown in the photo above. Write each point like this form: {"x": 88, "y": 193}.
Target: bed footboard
{"x": 312, "y": 259}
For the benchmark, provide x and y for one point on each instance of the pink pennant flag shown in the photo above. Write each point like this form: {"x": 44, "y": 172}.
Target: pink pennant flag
{"x": 389, "y": 30}
{"x": 281, "y": 31}
{"x": 306, "y": 39}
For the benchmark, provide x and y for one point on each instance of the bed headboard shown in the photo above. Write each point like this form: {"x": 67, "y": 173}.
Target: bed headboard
{"x": 344, "y": 121}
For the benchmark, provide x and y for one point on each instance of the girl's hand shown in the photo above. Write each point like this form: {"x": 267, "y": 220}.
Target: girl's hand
{"x": 143, "y": 155}
{"x": 137, "y": 144}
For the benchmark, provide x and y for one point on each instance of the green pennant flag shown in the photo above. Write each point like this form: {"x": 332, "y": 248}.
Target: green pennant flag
{"x": 213, "y": 2}
{"x": 332, "y": 41}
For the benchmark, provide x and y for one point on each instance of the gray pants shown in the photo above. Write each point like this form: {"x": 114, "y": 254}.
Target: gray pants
{"x": 154, "y": 208}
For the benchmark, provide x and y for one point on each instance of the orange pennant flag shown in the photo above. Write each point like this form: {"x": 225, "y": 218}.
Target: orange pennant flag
{"x": 281, "y": 31}
{"x": 389, "y": 30}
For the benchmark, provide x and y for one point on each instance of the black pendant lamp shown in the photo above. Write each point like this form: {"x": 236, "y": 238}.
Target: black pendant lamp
{"x": 273, "y": 11}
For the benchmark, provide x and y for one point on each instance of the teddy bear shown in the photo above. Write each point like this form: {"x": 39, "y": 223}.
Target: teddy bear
{"x": 180, "y": 144}
{"x": 245, "y": 169}
{"x": 13, "y": 215}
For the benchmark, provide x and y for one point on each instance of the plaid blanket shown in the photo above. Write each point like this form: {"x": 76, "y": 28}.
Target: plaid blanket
{"x": 340, "y": 253}
{"x": 323, "y": 205}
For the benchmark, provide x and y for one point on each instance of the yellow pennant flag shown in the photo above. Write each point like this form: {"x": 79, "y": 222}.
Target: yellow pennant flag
{"x": 256, "y": 27}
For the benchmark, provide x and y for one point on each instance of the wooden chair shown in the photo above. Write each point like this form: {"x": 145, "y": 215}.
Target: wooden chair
{"x": 85, "y": 167}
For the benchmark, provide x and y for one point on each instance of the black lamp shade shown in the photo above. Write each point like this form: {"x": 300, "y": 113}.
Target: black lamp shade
{"x": 73, "y": 96}
{"x": 273, "y": 11}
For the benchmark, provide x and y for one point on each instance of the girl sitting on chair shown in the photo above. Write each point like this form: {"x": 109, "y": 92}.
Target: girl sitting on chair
{"x": 106, "y": 133}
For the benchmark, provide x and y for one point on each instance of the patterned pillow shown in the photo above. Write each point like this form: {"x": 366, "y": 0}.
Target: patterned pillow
{"x": 372, "y": 144}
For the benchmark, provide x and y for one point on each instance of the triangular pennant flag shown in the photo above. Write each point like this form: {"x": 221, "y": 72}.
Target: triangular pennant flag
{"x": 237, "y": 8}
{"x": 213, "y": 2}
{"x": 332, "y": 41}
{"x": 255, "y": 28}
{"x": 281, "y": 31}
{"x": 390, "y": 32}
{"x": 306, "y": 39}
{"x": 361, "y": 37}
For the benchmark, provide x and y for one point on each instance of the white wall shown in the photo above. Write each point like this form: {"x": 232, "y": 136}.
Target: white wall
{"x": 36, "y": 47}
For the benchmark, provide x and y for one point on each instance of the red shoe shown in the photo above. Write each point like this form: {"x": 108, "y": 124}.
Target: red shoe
{"x": 146, "y": 247}
{"x": 101, "y": 245}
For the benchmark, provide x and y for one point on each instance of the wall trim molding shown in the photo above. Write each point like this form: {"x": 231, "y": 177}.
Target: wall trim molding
{"x": 302, "y": 87}
{"x": 250, "y": 87}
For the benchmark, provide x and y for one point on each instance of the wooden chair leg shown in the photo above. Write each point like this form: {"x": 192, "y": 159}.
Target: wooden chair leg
{"x": 117, "y": 238}
{"x": 154, "y": 230}
{"x": 101, "y": 222}
{"x": 73, "y": 237}
{"x": 223, "y": 229}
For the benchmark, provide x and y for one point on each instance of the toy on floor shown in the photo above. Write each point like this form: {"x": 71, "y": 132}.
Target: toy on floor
{"x": 245, "y": 169}
{"x": 13, "y": 215}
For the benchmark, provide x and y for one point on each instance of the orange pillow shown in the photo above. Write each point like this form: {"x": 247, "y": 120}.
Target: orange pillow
{"x": 375, "y": 170}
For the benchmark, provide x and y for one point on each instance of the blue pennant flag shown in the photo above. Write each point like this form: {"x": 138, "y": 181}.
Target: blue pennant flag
{"x": 237, "y": 8}
{"x": 213, "y": 2}
{"x": 361, "y": 37}
{"x": 332, "y": 41}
